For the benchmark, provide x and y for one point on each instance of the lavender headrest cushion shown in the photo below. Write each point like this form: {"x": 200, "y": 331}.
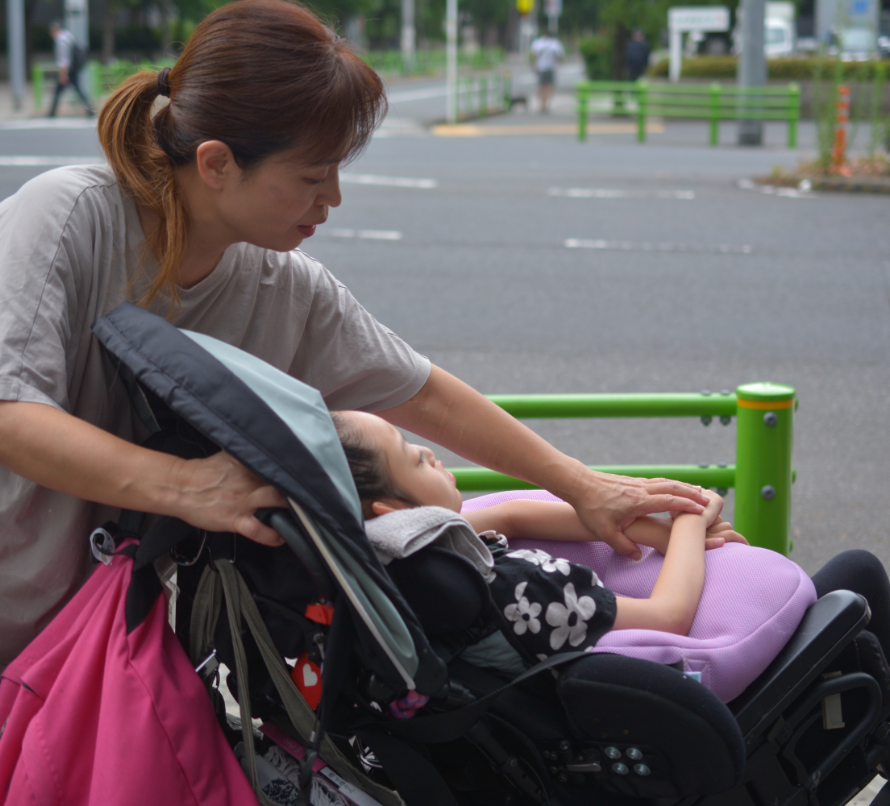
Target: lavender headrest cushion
{"x": 752, "y": 602}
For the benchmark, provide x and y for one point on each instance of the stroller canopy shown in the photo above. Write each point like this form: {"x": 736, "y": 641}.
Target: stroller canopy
{"x": 281, "y": 430}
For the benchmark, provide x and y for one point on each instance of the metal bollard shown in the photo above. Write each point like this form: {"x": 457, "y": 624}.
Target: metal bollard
{"x": 764, "y": 438}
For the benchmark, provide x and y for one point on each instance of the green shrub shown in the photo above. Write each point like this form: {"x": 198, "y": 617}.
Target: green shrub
{"x": 597, "y": 53}
{"x": 784, "y": 69}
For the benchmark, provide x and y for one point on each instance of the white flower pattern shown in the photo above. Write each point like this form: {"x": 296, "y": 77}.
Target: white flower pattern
{"x": 544, "y": 560}
{"x": 522, "y": 613}
{"x": 570, "y": 620}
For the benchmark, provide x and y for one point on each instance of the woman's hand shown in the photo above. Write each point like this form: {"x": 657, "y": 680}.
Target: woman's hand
{"x": 612, "y": 503}
{"x": 219, "y": 494}
{"x": 64, "y": 453}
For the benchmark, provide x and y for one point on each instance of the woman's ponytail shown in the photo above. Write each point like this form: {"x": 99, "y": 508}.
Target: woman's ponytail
{"x": 128, "y": 136}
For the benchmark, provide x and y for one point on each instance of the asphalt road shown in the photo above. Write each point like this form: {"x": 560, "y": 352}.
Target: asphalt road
{"x": 691, "y": 282}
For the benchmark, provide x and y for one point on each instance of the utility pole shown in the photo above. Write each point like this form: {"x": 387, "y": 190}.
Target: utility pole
{"x": 77, "y": 20}
{"x": 408, "y": 35}
{"x": 752, "y": 64}
{"x": 15, "y": 40}
{"x": 451, "y": 60}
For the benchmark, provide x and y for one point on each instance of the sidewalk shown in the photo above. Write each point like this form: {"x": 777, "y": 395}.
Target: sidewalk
{"x": 69, "y": 107}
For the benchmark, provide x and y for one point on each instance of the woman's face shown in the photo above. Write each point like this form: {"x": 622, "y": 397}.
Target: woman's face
{"x": 279, "y": 203}
{"x": 414, "y": 469}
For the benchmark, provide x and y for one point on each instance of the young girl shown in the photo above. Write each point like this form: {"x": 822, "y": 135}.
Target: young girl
{"x": 553, "y": 605}
{"x": 393, "y": 476}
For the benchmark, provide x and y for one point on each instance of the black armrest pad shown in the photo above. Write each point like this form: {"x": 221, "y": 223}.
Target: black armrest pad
{"x": 827, "y": 627}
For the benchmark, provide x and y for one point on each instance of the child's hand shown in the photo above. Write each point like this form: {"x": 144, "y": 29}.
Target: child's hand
{"x": 713, "y": 509}
{"x": 720, "y": 533}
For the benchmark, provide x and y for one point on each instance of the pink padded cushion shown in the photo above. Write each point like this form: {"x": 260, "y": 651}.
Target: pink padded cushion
{"x": 752, "y": 602}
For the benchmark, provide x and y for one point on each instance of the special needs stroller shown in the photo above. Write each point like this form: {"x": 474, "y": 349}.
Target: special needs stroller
{"x": 605, "y": 730}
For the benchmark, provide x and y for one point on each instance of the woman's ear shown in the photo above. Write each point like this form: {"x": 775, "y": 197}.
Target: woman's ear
{"x": 215, "y": 163}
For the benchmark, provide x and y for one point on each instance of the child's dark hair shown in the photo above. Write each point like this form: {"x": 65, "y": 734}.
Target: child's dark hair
{"x": 367, "y": 466}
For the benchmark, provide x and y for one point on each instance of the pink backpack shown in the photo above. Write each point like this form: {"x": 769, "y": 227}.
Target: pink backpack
{"x": 92, "y": 715}
{"x": 751, "y": 604}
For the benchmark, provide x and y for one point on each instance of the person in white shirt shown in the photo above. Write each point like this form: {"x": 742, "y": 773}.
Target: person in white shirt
{"x": 547, "y": 52}
{"x": 69, "y": 61}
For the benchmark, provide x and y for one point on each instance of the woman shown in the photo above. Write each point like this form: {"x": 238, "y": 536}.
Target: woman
{"x": 197, "y": 218}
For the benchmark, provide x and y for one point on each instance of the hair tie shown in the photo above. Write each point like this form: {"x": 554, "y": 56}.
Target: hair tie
{"x": 163, "y": 86}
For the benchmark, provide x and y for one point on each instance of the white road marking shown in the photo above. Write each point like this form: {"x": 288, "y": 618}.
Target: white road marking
{"x": 631, "y": 246}
{"x": 47, "y": 162}
{"x": 50, "y": 123}
{"x": 388, "y": 181}
{"x": 368, "y": 234}
{"x": 801, "y": 192}
{"x": 608, "y": 193}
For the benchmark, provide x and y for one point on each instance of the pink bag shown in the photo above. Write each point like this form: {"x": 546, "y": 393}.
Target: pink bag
{"x": 92, "y": 715}
{"x": 752, "y": 602}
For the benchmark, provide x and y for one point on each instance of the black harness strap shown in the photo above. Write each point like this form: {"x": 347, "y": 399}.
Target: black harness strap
{"x": 451, "y": 725}
{"x": 145, "y": 587}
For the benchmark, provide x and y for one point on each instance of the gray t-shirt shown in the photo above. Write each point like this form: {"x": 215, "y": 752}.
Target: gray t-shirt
{"x": 71, "y": 248}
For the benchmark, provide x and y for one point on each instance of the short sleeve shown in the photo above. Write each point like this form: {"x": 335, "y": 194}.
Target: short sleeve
{"x": 550, "y": 605}
{"x": 44, "y": 247}
{"x": 352, "y": 359}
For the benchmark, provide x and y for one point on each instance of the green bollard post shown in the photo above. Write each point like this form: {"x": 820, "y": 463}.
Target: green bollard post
{"x": 37, "y": 86}
{"x": 582, "y": 112}
{"x": 715, "y": 112}
{"x": 642, "y": 100}
{"x": 793, "y": 113}
{"x": 764, "y": 438}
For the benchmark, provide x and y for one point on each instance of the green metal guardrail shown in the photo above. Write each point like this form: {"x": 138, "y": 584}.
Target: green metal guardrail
{"x": 478, "y": 96}
{"x": 761, "y": 476}
{"x": 714, "y": 102}
{"x": 431, "y": 61}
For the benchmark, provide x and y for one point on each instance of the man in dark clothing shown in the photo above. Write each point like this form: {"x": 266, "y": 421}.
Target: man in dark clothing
{"x": 636, "y": 55}
{"x": 69, "y": 61}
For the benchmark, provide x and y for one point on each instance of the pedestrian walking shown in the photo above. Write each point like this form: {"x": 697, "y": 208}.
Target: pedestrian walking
{"x": 70, "y": 59}
{"x": 547, "y": 52}
{"x": 636, "y": 55}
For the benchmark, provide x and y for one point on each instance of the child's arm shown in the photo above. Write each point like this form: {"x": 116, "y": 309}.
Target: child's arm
{"x": 674, "y": 600}
{"x": 551, "y": 520}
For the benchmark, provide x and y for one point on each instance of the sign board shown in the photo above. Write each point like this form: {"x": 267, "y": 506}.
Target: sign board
{"x": 525, "y": 6}
{"x": 553, "y": 8}
{"x": 698, "y": 18}
{"x": 682, "y": 19}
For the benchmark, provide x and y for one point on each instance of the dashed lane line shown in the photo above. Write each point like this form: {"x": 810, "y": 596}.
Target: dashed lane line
{"x": 632, "y": 246}
{"x": 368, "y": 234}
{"x": 610, "y": 193}
{"x": 388, "y": 181}
{"x": 47, "y": 162}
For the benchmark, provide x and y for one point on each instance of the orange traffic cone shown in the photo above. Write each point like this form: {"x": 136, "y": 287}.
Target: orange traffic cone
{"x": 841, "y": 121}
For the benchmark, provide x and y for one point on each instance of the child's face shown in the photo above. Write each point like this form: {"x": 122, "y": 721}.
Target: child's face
{"x": 414, "y": 469}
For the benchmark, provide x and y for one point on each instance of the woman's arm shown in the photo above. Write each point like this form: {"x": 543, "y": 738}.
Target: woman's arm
{"x": 456, "y": 416}
{"x": 550, "y": 520}
{"x": 675, "y": 597}
{"x": 65, "y": 453}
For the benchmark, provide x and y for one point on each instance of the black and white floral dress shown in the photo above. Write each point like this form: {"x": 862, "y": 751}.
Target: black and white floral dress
{"x": 548, "y": 604}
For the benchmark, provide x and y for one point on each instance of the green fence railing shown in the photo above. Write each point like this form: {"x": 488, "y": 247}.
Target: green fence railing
{"x": 427, "y": 62}
{"x": 478, "y": 96}
{"x": 713, "y": 102}
{"x": 762, "y": 473}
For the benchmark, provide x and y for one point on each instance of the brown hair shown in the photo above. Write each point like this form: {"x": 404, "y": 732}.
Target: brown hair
{"x": 262, "y": 76}
{"x": 368, "y": 467}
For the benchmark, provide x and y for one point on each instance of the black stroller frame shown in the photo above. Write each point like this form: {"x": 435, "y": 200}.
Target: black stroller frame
{"x": 606, "y": 730}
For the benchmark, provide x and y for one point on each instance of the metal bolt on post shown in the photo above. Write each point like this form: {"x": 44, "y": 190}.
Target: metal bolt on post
{"x": 764, "y": 438}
